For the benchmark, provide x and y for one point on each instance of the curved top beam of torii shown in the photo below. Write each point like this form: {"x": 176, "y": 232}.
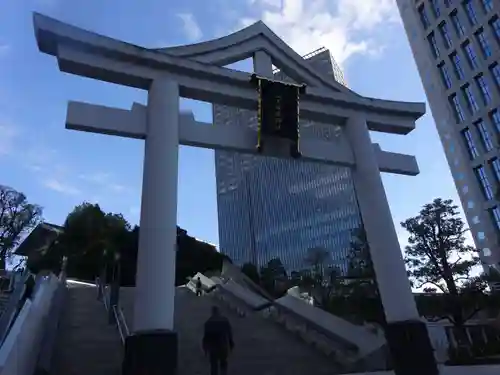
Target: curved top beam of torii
{"x": 243, "y": 43}
{"x": 91, "y": 55}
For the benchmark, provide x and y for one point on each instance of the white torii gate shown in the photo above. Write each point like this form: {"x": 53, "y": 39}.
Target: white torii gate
{"x": 195, "y": 71}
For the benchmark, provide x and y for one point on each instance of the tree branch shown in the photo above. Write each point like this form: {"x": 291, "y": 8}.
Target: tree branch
{"x": 474, "y": 312}
{"x": 458, "y": 260}
{"x": 433, "y": 283}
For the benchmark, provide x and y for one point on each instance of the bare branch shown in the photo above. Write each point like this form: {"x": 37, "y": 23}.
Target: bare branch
{"x": 471, "y": 315}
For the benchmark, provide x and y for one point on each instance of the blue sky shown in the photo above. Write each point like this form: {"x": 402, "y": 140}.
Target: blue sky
{"x": 59, "y": 168}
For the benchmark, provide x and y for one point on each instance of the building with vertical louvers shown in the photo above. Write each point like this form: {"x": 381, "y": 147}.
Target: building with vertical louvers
{"x": 456, "y": 46}
{"x": 269, "y": 207}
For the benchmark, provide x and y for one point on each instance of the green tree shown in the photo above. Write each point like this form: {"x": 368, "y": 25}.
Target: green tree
{"x": 322, "y": 279}
{"x": 90, "y": 240}
{"x": 438, "y": 257}
{"x": 17, "y": 218}
{"x": 356, "y": 296}
{"x": 272, "y": 275}
{"x": 195, "y": 256}
{"x": 360, "y": 264}
{"x": 251, "y": 271}
{"x": 295, "y": 278}
{"x": 317, "y": 258}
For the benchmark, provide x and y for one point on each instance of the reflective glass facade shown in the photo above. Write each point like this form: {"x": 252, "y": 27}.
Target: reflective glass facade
{"x": 270, "y": 207}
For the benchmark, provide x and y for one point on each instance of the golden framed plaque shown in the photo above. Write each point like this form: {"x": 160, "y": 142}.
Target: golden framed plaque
{"x": 278, "y": 112}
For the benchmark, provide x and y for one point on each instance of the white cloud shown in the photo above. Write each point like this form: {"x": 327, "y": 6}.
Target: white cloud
{"x": 61, "y": 187}
{"x": 190, "y": 26}
{"x": 104, "y": 180}
{"x": 342, "y": 26}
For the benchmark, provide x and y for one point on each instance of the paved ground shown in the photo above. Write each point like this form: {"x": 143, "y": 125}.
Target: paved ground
{"x": 261, "y": 347}
{"x": 454, "y": 370}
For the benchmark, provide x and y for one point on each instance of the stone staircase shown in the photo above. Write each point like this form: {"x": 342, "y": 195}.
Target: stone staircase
{"x": 261, "y": 347}
{"x": 86, "y": 344}
{"x": 4, "y": 298}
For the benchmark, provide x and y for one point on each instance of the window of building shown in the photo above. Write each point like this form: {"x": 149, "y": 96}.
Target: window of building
{"x": 487, "y": 5}
{"x": 432, "y": 41}
{"x": 483, "y": 181}
{"x": 495, "y": 119}
{"x": 457, "y": 66}
{"x": 495, "y": 25}
{"x": 471, "y": 55}
{"x": 484, "y": 43}
{"x": 469, "y": 97}
{"x": 470, "y": 11}
{"x": 435, "y": 8}
{"x": 443, "y": 28}
{"x": 485, "y": 136}
{"x": 495, "y": 215}
{"x": 495, "y": 72}
{"x": 483, "y": 88}
{"x": 469, "y": 142}
{"x": 445, "y": 76}
{"x": 459, "y": 28}
{"x": 495, "y": 165}
{"x": 459, "y": 113}
{"x": 423, "y": 17}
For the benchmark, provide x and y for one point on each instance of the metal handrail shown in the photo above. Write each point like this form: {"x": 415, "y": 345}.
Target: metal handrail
{"x": 105, "y": 298}
{"x": 124, "y": 321}
{"x": 117, "y": 312}
{"x": 121, "y": 323}
{"x": 117, "y": 319}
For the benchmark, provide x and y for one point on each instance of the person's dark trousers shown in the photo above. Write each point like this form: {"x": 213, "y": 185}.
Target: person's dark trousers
{"x": 198, "y": 293}
{"x": 218, "y": 363}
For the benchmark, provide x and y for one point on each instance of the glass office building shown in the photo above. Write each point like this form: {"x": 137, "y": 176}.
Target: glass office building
{"x": 269, "y": 207}
{"x": 456, "y": 45}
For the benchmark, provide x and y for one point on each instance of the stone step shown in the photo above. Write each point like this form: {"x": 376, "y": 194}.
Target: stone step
{"x": 261, "y": 347}
{"x": 86, "y": 343}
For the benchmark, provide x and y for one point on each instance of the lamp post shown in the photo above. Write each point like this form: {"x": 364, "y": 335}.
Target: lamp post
{"x": 114, "y": 293}
{"x": 102, "y": 275}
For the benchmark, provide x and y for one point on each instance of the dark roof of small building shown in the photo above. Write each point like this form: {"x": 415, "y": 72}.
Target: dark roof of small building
{"x": 39, "y": 238}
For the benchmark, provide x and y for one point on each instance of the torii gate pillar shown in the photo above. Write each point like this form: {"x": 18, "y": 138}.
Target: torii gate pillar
{"x": 407, "y": 336}
{"x": 153, "y": 345}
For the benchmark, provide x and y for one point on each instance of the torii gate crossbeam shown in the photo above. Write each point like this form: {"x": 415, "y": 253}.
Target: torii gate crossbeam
{"x": 167, "y": 78}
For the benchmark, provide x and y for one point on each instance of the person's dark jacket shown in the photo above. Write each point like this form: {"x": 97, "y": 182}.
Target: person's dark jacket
{"x": 218, "y": 335}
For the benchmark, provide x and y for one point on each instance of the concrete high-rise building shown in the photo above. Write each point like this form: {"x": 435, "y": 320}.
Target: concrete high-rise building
{"x": 456, "y": 46}
{"x": 269, "y": 207}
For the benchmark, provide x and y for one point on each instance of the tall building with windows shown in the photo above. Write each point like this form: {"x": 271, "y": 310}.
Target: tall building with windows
{"x": 269, "y": 207}
{"x": 456, "y": 45}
